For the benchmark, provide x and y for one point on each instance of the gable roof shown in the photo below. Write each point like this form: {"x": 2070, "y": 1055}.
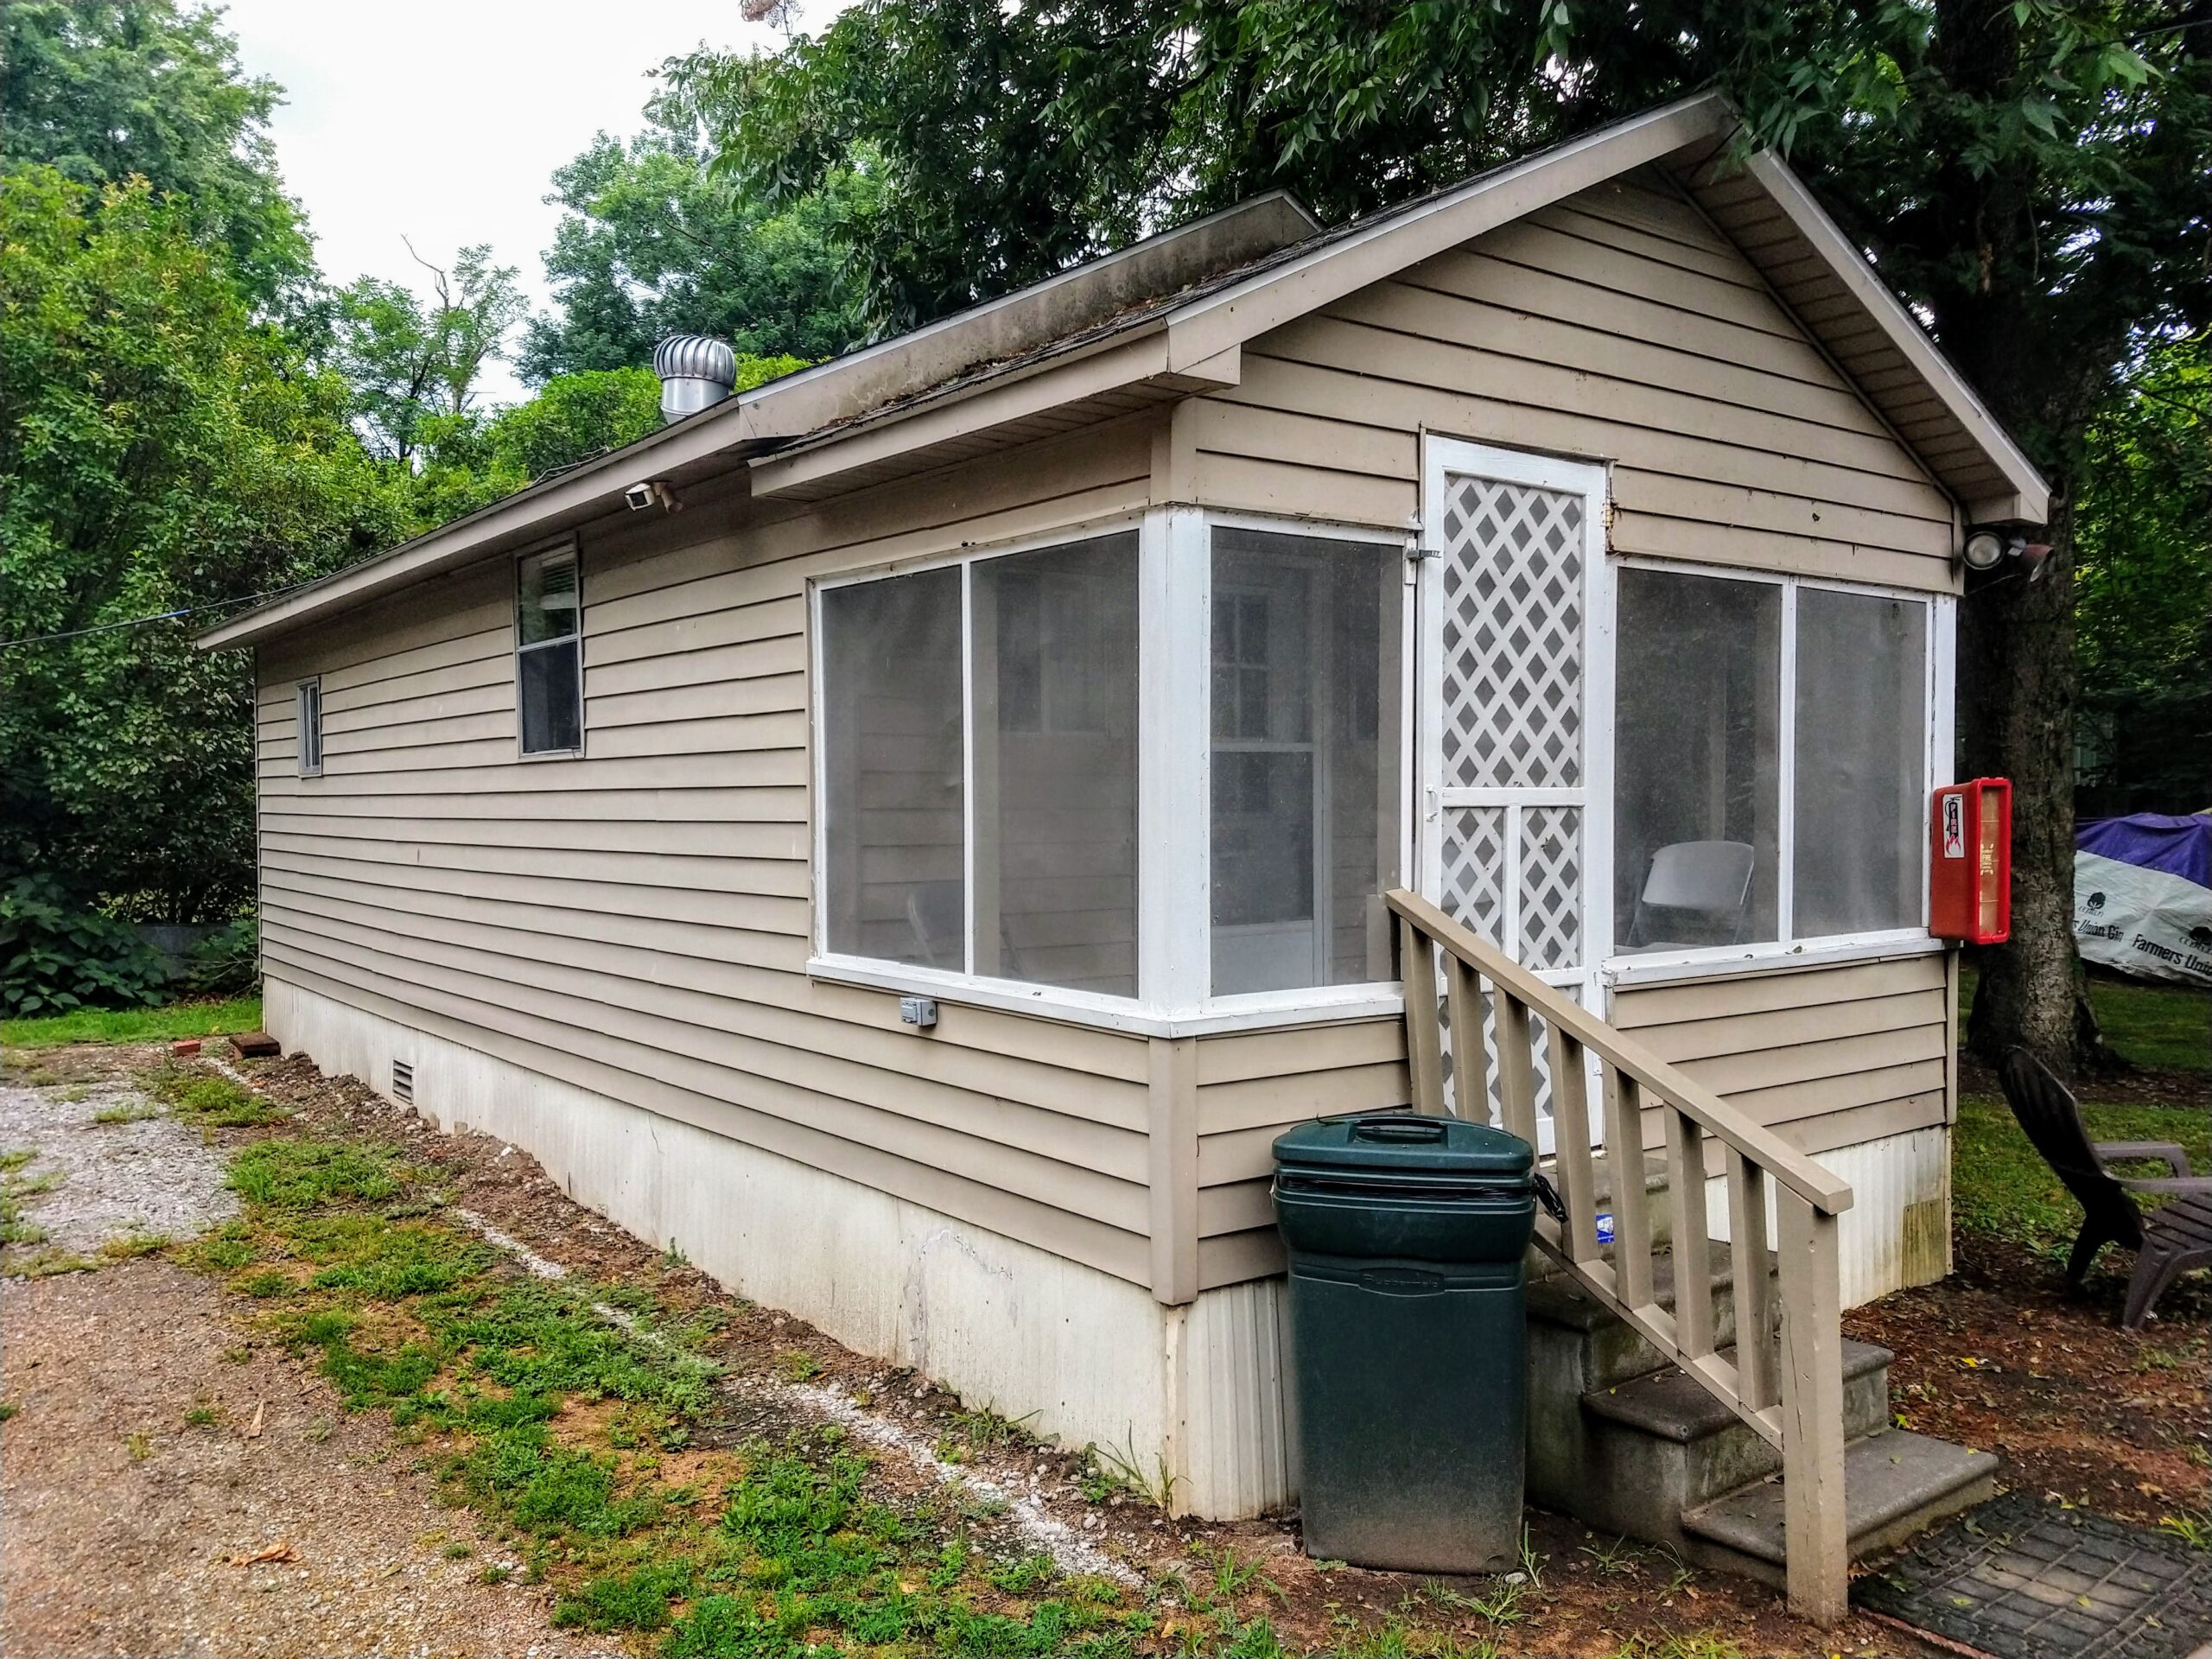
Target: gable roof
{"x": 1169, "y": 316}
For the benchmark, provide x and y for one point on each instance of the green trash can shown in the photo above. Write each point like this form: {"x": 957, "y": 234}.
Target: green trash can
{"x": 1409, "y": 1393}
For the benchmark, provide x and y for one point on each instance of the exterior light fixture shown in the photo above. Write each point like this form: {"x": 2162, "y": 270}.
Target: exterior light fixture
{"x": 1984, "y": 548}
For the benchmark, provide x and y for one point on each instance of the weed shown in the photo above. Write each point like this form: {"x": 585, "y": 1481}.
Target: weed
{"x": 8, "y": 1409}
{"x": 457, "y": 1552}
{"x": 672, "y": 1258}
{"x": 494, "y": 1574}
{"x": 985, "y": 1430}
{"x": 1613, "y": 1559}
{"x": 304, "y": 1174}
{"x": 637, "y": 1600}
{"x": 15, "y": 1187}
{"x": 129, "y": 1247}
{"x": 2192, "y": 1527}
{"x": 1024, "y": 1577}
{"x": 128, "y": 1111}
{"x": 46, "y": 1264}
{"x": 237, "y": 1356}
{"x": 210, "y": 1102}
{"x": 139, "y": 1444}
{"x": 199, "y": 1417}
{"x": 1506, "y": 1604}
{"x": 797, "y": 1365}
{"x": 1232, "y": 1577}
{"x": 1121, "y": 1463}
{"x": 1689, "y": 1644}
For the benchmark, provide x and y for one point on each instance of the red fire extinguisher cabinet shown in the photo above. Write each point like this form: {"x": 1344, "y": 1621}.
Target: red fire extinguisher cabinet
{"x": 1970, "y": 863}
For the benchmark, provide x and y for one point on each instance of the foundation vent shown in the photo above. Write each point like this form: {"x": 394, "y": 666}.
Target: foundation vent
{"x": 403, "y": 1081}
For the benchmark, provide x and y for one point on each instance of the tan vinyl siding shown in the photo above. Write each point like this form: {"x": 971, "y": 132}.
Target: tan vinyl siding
{"x": 1254, "y": 1085}
{"x": 635, "y": 922}
{"x": 1861, "y": 1048}
{"x": 1620, "y": 326}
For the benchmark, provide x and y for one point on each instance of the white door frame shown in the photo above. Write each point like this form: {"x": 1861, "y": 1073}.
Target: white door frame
{"x": 1442, "y": 458}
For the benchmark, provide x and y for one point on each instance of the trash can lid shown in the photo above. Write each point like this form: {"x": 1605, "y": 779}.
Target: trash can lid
{"x": 1402, "y": 1143}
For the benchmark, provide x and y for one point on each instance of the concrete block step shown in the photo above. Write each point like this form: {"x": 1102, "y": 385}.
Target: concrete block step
{"x": 1896, "y": 1483}
{"x": 1656, "y": 1446}
{"x": 1670, "y": 1405}
{"x": 1606, "y": 1353}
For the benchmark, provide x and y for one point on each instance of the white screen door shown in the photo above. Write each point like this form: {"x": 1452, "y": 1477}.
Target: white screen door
{"x": 1516, "y": 667}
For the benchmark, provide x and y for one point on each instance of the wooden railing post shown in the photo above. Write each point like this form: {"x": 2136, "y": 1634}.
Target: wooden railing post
{"x": 1792, "y": 1397}
{"x": 1816, "y": 1538}
{"x": 1424, "y": 1041}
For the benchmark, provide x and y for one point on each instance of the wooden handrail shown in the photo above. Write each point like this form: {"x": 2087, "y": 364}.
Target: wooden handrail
{"x": 1562, "y": 1012}
{"x": 1784, "y": 1376}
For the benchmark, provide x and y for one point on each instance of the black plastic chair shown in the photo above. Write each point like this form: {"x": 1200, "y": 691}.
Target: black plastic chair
{"x": 2167, "y": 1240}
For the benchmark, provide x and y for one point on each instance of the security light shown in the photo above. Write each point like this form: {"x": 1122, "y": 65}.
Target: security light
{"x": 1983, "y": 550}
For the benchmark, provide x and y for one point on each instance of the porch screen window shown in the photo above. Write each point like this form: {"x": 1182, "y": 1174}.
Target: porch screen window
{"x": 549, "y": 652}
{"x": 979, "y": 730}
{"x": 1305, "y": 695}
{"x": 1726, "y": 687}
{"x": 1862, "y": 767}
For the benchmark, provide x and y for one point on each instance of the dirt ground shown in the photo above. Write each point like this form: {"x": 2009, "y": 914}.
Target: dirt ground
{"x": 155, "y": 1453}
{"x": 132, "y": 1480}
{"x": 2001, "y": 1356}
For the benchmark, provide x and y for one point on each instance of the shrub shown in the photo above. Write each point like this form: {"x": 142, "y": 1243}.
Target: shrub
{"x": 55, "y": 954}
{"x": 227, "y": 963}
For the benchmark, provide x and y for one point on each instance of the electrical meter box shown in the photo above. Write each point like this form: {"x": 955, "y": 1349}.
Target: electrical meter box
{"x": 1970, "y": 863}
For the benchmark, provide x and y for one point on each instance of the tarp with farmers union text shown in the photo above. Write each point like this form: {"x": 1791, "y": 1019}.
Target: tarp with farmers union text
{"x": 2143, "y": 894}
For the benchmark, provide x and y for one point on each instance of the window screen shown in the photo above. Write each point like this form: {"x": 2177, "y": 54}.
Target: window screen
{"x": 1304, "y": 688}
{"x": 1861, "y": 762}
{"x": 549, "y": 650}
{"x": 895, "y": 797}
{"x": 309, "y": 712}
{"x": 1697, "y": 746}
{"x": 1055, "y": 635}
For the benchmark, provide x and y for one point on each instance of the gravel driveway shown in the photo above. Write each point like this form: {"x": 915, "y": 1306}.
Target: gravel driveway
{"x": 136, "y": 1174}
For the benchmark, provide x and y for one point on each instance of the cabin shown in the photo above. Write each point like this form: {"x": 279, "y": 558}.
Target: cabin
{"x": 910, "y": 835}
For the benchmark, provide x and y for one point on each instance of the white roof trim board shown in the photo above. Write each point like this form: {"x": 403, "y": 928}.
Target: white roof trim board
{"x": 1196, "y": 294}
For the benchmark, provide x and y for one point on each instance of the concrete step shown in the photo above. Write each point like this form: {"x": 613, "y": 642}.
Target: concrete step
{"x": 1657, "y": 1444}
{"x": 1896, "y": 1483}
{"x": 1591, "y": 1349}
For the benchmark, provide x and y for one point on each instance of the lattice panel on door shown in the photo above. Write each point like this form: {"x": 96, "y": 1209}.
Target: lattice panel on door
{"x": 1513, "y": 616}
{"x": 1541, "y": 1060}
{"x": 1475, "y": 856}
{"x": 1551, "y": 886}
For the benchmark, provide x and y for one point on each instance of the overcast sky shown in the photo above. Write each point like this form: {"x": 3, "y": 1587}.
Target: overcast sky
{"x": 443, "y": 120}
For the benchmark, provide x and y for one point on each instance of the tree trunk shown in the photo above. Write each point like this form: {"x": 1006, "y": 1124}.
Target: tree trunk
{"x": 2016, "y": 687}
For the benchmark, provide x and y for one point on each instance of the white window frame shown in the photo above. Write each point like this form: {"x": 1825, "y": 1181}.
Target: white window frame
{"x": 307, "y": 733}
{"x": 1174, "y": 831}
{"x": 571, "y": 546}
{"x": 1939, "y": 669}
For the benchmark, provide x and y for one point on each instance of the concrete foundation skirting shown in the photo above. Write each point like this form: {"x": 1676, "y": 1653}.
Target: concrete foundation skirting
{"x": 1195, "y": 1389}
{"x": 1898, "y": 1231}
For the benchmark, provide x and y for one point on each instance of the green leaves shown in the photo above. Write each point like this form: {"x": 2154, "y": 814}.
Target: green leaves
{"x": 159, "y": 448}
{"x": 56, "y": 954}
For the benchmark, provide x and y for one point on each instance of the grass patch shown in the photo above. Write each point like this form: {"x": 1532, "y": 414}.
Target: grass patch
{"x": 2165, "y": 1028}
{"x": 596, "y": 1451}
{"x": 16, "y": 1185}
{"x": 135, "y": 1025}
{"x": 211, "y": 1102}
{"x": 2000, "y": 1185}
{"x": 304, "y": 1174}
{"x": 128, "y": 1111}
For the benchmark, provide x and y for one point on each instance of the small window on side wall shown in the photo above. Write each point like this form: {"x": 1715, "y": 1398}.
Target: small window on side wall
{"x": 308, "y": 710}
{"x": 550, "y": 652}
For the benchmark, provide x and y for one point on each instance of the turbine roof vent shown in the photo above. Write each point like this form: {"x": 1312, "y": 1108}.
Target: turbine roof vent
{"x": 696, "y": 371}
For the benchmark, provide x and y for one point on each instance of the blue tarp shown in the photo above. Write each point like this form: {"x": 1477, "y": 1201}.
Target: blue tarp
{"x": 2143, "y": 894}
